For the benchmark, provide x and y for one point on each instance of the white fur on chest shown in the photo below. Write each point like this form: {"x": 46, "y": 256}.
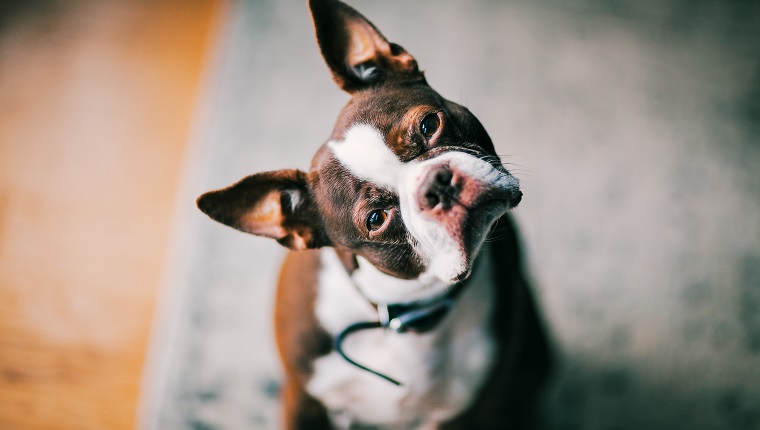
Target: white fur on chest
{"x": 441, "y": 370}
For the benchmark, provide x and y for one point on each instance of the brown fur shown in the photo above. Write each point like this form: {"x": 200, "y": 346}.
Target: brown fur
{"x": 328, "y": 206}
{"x": 509, "y": 396}
{"x": 300, "y": 340}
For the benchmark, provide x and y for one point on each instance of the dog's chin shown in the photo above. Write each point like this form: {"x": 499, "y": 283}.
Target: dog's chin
{"x": 463, "y": 276}
{"x": 455, "y": 266}
{"x": 463, "y": 270}
{"x": 455, "y": 273}
{"x": 471, "y": 236}
{"x": 449, "y": 267}
{"x": 453, "y": 236}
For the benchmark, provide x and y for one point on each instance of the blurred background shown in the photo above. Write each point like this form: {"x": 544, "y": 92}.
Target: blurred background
{"x": 97, "y": 100}
{"x": 634, "y": 126}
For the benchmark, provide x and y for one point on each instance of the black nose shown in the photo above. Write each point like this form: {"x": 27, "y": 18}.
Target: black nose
{"x": 437, "y": 188}
{"x": 516, "y": 201}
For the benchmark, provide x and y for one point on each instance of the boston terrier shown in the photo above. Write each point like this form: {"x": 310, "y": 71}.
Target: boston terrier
{"x": 404, "y": 304}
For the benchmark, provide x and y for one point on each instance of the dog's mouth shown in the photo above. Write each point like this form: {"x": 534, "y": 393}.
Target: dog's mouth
{"x": 455, "y": 235}
{"x": 458, "y": 199}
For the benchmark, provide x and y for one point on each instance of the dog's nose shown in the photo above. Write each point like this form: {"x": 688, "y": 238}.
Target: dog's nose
{"x": 516, "y": 200}
{"x": 437, "y": 188}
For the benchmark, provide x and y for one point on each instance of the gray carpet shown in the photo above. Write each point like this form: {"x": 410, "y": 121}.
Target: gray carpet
{"x": 635, "y": 129}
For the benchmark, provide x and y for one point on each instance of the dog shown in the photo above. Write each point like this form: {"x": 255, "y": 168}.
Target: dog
{"x": 404, "y": 303}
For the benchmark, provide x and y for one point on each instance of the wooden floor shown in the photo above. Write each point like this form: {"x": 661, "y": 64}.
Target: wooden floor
{"x": 96, "y": 100}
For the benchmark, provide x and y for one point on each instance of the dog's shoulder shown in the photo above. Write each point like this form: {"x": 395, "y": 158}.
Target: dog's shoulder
{"x": 300, "y": 337}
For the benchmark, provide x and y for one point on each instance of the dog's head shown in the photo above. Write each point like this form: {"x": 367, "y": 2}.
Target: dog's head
{"x": 408, "y": 182}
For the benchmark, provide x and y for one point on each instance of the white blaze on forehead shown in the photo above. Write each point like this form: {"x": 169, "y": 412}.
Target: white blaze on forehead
{"x": 363, "y": 152}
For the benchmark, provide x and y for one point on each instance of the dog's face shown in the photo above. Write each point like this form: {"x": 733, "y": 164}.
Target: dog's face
{"x": 408, "y": 181}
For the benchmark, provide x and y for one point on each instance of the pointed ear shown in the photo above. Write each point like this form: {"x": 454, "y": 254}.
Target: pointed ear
{"x": 271, "y": 204}
{"x": 357, "y": 54}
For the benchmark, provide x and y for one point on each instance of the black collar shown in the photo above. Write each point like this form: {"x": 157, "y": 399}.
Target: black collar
{"x": 417, "y": 316}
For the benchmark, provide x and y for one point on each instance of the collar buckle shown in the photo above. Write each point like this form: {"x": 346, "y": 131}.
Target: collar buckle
{"x": 417, "y": 318}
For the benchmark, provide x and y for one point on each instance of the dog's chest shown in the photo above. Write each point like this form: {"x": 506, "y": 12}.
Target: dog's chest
{"x": 441, "y": 370}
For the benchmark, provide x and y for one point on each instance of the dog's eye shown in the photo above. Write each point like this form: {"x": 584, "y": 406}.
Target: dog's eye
{"x": 376, "y": 219}
{"x": 429, "y": 125}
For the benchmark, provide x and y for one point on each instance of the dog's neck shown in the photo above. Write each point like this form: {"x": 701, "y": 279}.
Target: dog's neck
{"x": 380, "y": 288}
{"x": 402, "y": 306}
{"x": 418, "y": 305}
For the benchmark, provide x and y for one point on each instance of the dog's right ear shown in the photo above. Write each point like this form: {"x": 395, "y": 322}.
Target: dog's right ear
{"x": 358, "y": 55}
{"x": 271, "y": 204}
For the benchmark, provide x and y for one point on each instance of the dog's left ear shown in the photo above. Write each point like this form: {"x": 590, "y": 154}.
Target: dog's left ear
{"x": 358, "y": 55}
{"x": 270, "y": 204}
